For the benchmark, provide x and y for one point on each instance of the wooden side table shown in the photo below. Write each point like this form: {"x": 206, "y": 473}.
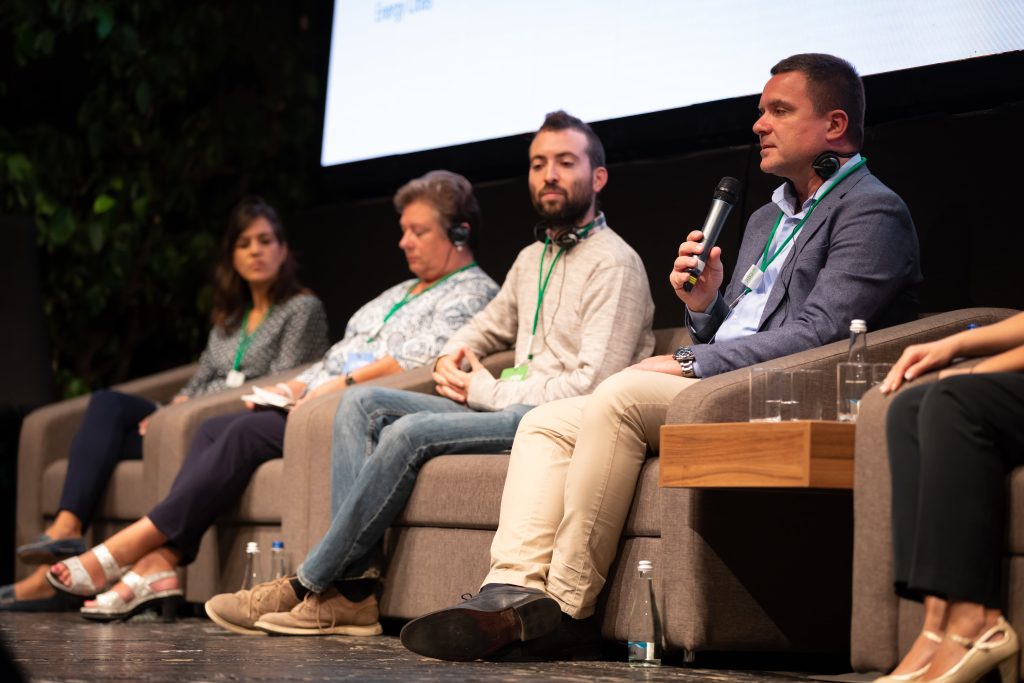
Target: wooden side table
{"x": 799, "y": 454}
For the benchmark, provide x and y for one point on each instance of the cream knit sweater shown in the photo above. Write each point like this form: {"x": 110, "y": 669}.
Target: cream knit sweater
{"x": 594, "y": 321}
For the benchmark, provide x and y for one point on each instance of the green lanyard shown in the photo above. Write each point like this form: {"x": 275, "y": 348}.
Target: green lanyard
{"x": 246, "y": 340}
{"x": 409, "y": 296}
{"x": 542, "y": 283}
{"x": 542, "y": 286}
{"x": 765, "y": 259}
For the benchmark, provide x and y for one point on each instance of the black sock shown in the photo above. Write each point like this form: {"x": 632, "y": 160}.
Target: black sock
{"x": 300, "y": 590}
{"x": 356, "y": 590}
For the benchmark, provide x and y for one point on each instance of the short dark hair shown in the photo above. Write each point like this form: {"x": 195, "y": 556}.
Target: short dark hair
{"x": 561, "y": 120}
{"x": 451, "y": 194}
{"x": 832, "y": 83}
{"x": 231, "y": 294}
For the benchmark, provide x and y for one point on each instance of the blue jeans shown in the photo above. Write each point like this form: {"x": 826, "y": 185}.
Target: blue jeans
{"x": 381, "y": 439}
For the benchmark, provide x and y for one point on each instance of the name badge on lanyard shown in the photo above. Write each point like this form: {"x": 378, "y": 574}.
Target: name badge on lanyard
{"x": 234, "y": 379}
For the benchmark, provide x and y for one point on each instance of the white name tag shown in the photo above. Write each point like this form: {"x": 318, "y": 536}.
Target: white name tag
{"x": 235, "y": 379}
{"x": 753, "y": 277}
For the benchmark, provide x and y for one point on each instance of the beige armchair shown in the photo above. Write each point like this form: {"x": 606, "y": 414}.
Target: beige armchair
{"x": 884, "y": 626}
{"x": 46, "y": 436}
{"x": 288, "y": 499}
{"x": 765, "y": 570}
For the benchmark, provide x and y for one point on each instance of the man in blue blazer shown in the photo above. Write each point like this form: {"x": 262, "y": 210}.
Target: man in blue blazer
{"x": 834, "y": 244}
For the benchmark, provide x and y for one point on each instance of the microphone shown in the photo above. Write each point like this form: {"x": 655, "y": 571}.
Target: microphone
{"x": 721, "y": 203}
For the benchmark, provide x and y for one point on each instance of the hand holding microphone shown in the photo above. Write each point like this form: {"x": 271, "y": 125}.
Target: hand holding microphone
{"x": 695, "y": 255}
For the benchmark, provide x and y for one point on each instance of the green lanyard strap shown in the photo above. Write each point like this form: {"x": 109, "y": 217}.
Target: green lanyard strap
{"x": 246, "y": 337}
{"x": 542, "y": 280}
{"x": 542, "y": 285}
{"x": 409, "y": 296}
{"x": 765, "y": 259}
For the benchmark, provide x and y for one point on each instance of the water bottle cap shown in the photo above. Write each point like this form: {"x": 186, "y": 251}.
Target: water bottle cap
{"x": 252, "y": 547}
{"x": 858, "y": 325}
{"x": 277, "y": 545}
{"x": 645, "y": 565}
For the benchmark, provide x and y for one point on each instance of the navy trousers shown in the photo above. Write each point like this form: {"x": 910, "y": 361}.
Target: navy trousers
{"x": 224, "y": 454}
{"x": 108, "y": 435}
{"x": 951, "y": 445}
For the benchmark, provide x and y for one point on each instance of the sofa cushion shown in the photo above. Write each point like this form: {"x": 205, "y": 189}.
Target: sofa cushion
{"x": 124, "y": 497}
{"x": 464, "y": 492}
{"x": 457, "y": 491}
{"x": 261, "y": 502}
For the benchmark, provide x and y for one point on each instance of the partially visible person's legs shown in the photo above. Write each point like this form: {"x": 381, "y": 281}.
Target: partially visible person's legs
{"x": 971, "y": 435}
{"x": 951, "y": 445}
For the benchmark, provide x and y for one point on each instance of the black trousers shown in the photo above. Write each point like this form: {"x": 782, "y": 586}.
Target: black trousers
{"x": 225, "y": 452}
{"x": 108, "y": 435}
{"x": 951, "y": 445}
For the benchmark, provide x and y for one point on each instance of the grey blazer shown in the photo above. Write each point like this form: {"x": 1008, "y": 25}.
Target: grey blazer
{"x": 857, "y": 257}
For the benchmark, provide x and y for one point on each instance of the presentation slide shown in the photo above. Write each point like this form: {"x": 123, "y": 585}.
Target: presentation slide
{"x": 413, "y": 75}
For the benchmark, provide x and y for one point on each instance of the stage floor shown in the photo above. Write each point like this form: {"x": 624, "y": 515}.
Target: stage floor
{"x": 65, "y": 647}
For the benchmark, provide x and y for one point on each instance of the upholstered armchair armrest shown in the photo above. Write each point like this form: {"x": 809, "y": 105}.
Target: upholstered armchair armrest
{"x": 171, "y": 429}
{"x": 725, "y": 397}
{"x": 160, "y": 387}
{"x": 46, "y": 436}
{"x": 668, "y": 339}
{"x": 307, "y": 454}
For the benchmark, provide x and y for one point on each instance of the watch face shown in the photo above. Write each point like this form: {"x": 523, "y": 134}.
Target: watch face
{"x": 685, "y": 353}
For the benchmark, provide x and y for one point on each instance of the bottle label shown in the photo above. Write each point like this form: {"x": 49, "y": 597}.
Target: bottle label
{"x": 641, "y": 651}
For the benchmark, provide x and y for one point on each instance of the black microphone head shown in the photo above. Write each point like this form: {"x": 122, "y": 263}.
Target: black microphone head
{"x": 727, "y": 190}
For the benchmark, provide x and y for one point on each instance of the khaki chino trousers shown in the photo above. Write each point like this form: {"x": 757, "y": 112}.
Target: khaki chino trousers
{"x": 570, "y": 484}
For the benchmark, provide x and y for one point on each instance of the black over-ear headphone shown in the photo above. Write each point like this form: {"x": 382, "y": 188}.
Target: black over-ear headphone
{"x": 827, "y": 163}
{"x": 566, "y": 239}
{"x": 458, "y": 234}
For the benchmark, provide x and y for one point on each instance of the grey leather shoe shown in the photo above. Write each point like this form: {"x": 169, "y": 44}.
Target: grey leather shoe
{"x": 483, "y": 624}
{"x": 46, "y": 550}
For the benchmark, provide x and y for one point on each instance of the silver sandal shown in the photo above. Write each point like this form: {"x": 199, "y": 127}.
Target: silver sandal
{"x": 81, "y": 582}
{"x": 110, "y": 606}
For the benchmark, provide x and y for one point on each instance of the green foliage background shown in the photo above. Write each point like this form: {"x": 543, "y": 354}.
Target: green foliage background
{"x": 128, "y": 130}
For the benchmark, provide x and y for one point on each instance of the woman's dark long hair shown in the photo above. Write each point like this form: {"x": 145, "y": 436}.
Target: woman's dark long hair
{"x": 231, "y": 293}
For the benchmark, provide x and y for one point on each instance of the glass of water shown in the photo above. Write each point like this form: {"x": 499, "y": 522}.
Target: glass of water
{"x": 852, "y": 381}
{"x": 771, "y": 398}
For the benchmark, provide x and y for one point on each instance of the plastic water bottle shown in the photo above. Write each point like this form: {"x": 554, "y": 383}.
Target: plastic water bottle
{"x": 645, "y": 621}
{"x": 252, "y": 566}
{"x": 858, "y": 342}
{"x": 278, "y": 566}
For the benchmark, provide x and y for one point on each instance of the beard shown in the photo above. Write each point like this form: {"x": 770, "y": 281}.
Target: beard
{"x": 575, "y": 204}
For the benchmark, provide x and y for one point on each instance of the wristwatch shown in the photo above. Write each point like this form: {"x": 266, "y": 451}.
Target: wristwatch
{"x": 349, "y": 380}
{"x": 684, "y": 356}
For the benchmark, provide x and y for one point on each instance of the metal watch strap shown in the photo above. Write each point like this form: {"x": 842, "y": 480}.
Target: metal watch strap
{"x": 684, "y": 356}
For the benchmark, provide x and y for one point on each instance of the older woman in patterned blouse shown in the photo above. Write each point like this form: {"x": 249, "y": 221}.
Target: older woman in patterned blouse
{"x": 264, "y": 321}
{"x": 404, "y": 327}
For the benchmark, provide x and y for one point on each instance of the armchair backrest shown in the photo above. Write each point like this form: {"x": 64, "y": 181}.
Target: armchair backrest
{"x": 726, "y": 397}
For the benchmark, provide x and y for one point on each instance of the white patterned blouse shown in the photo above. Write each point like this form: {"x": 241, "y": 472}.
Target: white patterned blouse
{"x": 413, "y": 334}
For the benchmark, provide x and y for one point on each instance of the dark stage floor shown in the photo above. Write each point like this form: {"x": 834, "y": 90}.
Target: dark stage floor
{"x": 64, "y": 647}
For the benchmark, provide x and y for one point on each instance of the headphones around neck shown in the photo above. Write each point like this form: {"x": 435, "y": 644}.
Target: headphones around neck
{"x": 565, "y": 238}
{"x": 458, "y": 235}
{"x": 827, "y": 163}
